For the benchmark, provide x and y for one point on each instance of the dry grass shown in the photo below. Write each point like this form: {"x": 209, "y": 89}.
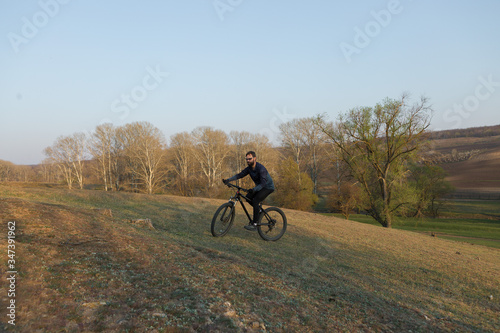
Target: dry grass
{"x": 83, "y": 271}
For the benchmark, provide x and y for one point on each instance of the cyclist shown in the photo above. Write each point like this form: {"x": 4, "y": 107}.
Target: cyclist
{"x": 264, "y": 185}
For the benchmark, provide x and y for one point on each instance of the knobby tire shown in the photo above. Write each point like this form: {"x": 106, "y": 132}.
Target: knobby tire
{"x": 223, "y": 219}
{"x": 273, "y": 229}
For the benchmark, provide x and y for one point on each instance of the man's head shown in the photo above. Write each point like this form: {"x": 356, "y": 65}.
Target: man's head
{"x": 251, "y": 158}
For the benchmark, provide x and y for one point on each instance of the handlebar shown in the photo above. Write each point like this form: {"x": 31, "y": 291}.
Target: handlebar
{"x": 236, "y": 186}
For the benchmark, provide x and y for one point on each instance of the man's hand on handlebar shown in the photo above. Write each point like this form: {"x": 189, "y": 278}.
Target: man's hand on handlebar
{"x": 227, "y": 183}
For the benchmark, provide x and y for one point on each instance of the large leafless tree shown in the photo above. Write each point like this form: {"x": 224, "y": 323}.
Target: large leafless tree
{"x": 304, "y": 142}
{"x": 182, "y": 152}
{"x": 210, "y": 150}
{"x": 144, "y": 147}
{"x": 69, "y": 154}
{"x": 101, "y": 148}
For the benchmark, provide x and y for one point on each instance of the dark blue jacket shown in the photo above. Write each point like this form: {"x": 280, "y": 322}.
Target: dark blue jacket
{"x": 259, "y": 175}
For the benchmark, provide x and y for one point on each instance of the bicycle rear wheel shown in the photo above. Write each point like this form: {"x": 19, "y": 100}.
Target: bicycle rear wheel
{"x": 223, "y": 219}
{"x": 272, "y": 224}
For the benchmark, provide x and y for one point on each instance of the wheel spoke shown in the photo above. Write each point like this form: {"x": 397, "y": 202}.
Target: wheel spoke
{"x": 274, "y": 225}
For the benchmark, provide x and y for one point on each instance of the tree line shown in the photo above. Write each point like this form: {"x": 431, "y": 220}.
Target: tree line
{"x": 369, "y": 160}
{"x": 136, "y": 157}
{"x": 472, "y": 132}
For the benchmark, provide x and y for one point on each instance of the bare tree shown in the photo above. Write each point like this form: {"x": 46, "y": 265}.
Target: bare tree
{"x": 126, "y": 136}
{"x": 101, "y": 145}
{"x": 376, "y": 144}
{"x": 305, "y": 142}
{"x": 144, "y": 147}
{"x": 6, "y": 169}
{"x": 48, "y": 171}
{"x": 117, "y": 161}
{"x": 211, "y": 150}
{"x": 314, "y": 142}
{"x": 79, "y": 154}
{"x": 181, "y": 148}
{"x": 59, "y": 157}
{"x": 293, "y": 143}
{"x": 265, "y": 151}
{"x": 292, "y": 139}
{"x": 69, "y": 154}
{"x": 107, "y": 149}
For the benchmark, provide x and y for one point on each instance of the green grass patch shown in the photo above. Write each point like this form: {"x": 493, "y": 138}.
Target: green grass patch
{"x": 471, "y": 221}
{"x": 462, "y": 208}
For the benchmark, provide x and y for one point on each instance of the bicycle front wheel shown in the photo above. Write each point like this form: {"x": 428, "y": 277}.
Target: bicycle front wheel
{"x": 223, "y": 219}
{"x": 272, "y": 224}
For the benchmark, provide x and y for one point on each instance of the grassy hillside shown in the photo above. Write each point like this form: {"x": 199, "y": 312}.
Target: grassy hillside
{"x": 84, "y": 269}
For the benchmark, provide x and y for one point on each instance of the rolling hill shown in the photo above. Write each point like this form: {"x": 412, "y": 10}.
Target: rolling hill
{"x": 472, "y": 162}
{"x": 84, "y": 266}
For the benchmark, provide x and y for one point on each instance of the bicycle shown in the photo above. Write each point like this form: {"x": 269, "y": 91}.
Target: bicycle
{"x": 271, "y": 223}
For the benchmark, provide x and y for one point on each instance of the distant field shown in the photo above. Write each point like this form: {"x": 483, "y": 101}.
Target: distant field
{"x": 466, "y": 143}
{"x": 478, "y": 174}
{"x": 84, "y": 267}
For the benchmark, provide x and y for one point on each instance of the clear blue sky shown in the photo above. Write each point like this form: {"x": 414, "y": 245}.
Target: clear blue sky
{"x": 68, "y": 65}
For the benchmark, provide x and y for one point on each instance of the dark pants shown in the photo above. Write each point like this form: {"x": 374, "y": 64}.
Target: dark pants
{"x": 257, "y": 198}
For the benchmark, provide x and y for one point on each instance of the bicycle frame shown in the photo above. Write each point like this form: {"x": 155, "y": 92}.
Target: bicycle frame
{"x": 274, "y": 219}
{"x": 238, "y": 197}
